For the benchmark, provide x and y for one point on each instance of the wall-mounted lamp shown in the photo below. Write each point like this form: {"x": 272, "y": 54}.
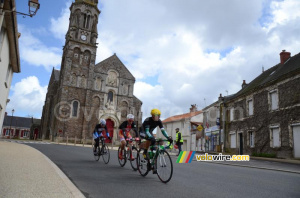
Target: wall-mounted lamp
{"x": 33, "y": 5}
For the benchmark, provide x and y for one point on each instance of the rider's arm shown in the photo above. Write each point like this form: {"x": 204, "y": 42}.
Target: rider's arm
{"x": 107, "y": 134}
{"x": 123, "y": 128}
{"x": 163, "y": 131}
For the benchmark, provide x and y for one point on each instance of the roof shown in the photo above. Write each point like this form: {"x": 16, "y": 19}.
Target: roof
{"x": 15, "y": 121}
{"x": 13, "y": 35}
{"x": 182, "y": 116}
{"x": 275, "y": 73}
{"x": 197, "y": 123}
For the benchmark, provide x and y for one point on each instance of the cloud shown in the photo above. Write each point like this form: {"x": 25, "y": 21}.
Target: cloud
{"x": 27, "y": 97}
{"x": 59, "y": 26}
{"x": 36, "y": 53}
{"x": 194, "y": 49}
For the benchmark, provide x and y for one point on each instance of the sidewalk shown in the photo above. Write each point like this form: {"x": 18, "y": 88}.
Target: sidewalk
{"x": 26, "y": 172}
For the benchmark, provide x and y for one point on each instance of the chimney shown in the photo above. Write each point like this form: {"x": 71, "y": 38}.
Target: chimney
{"x": 5, "y": 114}
{"x": 220, "y": 99}
{"x": 193, "y": 108}
{"x": 244, "y": 84}
{"x": 284, "y": 56}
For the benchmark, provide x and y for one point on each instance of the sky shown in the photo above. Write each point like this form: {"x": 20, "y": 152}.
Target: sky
{"x": 180, "y": 52}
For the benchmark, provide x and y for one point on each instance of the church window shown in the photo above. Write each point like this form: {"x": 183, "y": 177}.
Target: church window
{"x": 88, "y": 21}
{"x": 75, "y": 109}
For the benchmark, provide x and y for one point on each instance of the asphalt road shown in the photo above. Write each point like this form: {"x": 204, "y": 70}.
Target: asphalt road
{"x": 197, "y": 179}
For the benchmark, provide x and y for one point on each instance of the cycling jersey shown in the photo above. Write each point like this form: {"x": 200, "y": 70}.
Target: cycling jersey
{"x": 151, "y": 124}
{"x": 98, "y": 131}
{"x": 125, "y": 128}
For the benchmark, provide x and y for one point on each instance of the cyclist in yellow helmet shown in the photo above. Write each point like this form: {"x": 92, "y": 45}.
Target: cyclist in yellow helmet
{"x": 148, "y": 126}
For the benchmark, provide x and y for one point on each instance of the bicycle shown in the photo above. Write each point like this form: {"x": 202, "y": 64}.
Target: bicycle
{"x": 104, "y": 151}
{"x": 160, "y": 160}
{"x": 129, "y": 154}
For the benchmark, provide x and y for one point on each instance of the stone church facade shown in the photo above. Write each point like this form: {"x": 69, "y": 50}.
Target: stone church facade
{"x": 82, "y": 92}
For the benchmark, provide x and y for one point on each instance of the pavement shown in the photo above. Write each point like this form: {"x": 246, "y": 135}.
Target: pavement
{"x": 26, "y": 172}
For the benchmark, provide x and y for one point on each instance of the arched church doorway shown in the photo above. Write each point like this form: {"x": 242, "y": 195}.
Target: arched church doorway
{"x": 110, "y": 127}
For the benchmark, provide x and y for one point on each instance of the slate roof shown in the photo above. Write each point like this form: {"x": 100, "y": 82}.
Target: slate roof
{"x": 277, "y": 72}
{"x": 16, "y": 121}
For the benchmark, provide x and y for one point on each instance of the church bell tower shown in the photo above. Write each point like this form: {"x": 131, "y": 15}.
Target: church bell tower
{"x": 77, "y": 66}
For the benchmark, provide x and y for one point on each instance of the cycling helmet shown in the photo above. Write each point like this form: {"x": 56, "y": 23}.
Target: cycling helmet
{"x": 130, "y": 117}
{"x": 155, "y": 112}
{"x": 102, "y": 122}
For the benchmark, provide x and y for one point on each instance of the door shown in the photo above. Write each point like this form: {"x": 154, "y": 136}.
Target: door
{"x": 296, "y": 135}
{"x": 17, "y": 133}
{"x": 110, "y": 127}
{"x": 241, "y": 143}
{"x": 36, "y": 133}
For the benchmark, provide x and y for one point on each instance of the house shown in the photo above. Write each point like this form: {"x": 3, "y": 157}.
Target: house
{"x": 264, "y": 116}
{"x": 187, "y": 124}
{"x": 19, "y": 127}
{"x": 9, "y": 52}
{"x": 213, "y": 133}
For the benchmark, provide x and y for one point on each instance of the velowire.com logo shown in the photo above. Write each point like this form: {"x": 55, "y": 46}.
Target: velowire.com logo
{"x": 187, "y": 157}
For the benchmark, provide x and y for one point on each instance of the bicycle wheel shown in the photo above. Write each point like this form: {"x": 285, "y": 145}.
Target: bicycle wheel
{"x": 133, "y": 161}
{"x": 105, "y": 154}
{"x": 142, "y": 164}
{"x": 122, "y": 161}
{"x": 164, "y": 166}
{"x": 97, "y": 156}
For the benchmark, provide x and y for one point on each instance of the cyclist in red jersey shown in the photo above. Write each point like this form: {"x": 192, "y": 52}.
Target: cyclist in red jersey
{"x": 124, "y": 132}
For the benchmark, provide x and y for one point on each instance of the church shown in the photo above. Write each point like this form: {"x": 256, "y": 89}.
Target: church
{"x": 83, "y": 92}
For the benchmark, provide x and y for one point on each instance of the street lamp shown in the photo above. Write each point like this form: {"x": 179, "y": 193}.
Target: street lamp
{"x": 12, "y": 111}
{"x": 33, "y": 5}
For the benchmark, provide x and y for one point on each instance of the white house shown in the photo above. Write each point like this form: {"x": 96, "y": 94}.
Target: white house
{"x": 9, "y": 52}
{"x": 187, "y": 124}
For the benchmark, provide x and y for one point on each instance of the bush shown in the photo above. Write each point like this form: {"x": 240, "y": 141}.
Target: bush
{"x": 270, "y": 155}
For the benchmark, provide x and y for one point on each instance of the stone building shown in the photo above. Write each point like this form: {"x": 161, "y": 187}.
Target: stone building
{"x": 15, "y": 127}
{"x": 83, "y": 92}
{"x": 264, "y": 116}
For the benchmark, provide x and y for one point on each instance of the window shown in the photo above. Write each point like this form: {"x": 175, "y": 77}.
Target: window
{"x": 233, "y": 140}
{"x": 250, "y": 107}
{"x": 275, "y": 137}
{"x": 75, "y": 109}
{"x": 251, "y": 139}
{"x": 273, "y": 100}
{"x": 231, "y": 114}
{"x": 25, "y": 134}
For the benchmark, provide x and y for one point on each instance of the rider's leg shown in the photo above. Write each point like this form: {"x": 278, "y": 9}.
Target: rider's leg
{"x": 96, "y": 144}
{"x": 123, "y": 143}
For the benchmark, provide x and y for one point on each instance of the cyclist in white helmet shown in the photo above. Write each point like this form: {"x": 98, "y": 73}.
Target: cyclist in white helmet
{"x": 124, "y": 132}
{"x": 101, "y": 127}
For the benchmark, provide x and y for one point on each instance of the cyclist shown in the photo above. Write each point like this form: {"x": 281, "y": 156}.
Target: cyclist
{"x": 99, "y": 128}
{"x": 124, "y": 132}
{"x": 148, "y": 126}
